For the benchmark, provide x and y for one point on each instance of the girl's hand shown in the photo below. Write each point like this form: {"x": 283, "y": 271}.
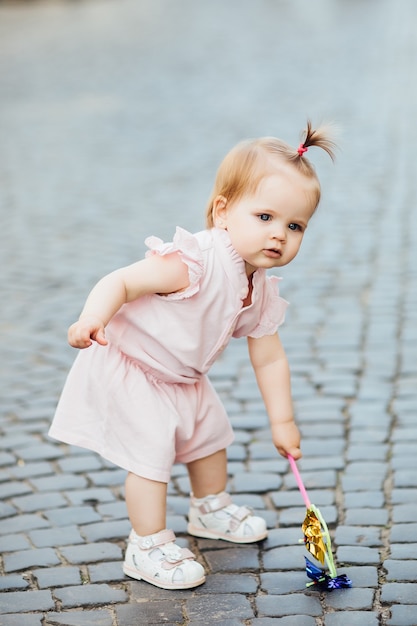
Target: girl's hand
{"x": 286, "y": 438}
{"x": 89, "y": 328}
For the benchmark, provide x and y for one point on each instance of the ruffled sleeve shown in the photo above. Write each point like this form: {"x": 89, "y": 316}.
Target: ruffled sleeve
{"x": 273, "y": 309}
{"x": 187, "y": 247}
{"x": 267, "y": 311}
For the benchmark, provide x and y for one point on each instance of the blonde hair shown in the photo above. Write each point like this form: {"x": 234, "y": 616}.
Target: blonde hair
{"x": 249, "y": 162}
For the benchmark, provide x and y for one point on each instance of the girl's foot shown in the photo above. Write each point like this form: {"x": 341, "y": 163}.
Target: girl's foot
{"x": 216, "y": 517}
{"x": 158, "y": 560}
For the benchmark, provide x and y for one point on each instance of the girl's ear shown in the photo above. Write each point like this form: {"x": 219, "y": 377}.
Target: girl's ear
{"x": 220, "y": 212}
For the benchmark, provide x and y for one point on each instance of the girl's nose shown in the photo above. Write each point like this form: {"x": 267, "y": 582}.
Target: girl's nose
{"x": 279, "y": 232}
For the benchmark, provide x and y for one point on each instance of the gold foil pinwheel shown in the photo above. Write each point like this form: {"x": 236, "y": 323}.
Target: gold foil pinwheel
{"x": 313, "y": 538}
{"x": 318, "y": 543}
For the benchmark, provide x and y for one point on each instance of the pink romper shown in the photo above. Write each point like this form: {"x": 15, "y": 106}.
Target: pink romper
{"x": 144, "y": 401}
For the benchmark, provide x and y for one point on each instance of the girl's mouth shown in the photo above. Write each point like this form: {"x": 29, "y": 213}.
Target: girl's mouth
{"x": 272, "y": 253}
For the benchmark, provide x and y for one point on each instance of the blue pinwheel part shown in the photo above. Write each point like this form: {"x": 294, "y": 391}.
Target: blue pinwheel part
{"x": 313, "y": 571}
{"x": 340, "y": 582}
{"x": 317, "y": 575}
{"x": 323, "y": 581}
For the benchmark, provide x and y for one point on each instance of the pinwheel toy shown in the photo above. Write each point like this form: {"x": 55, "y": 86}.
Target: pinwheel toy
{"x": 318, "y": 543}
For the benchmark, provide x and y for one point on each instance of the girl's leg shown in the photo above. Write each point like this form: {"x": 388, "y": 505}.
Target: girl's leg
{"x": 151, "y": 552}
{"x": 212, "y": 513}
{"x": 208, "y": 475}
{"x": 146, "y": 504}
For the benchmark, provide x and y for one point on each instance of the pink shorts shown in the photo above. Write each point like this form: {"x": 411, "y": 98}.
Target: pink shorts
{"x": 111, "y": 406}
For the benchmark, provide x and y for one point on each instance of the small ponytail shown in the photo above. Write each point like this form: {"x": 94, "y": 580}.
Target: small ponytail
{"x": 316, "y": 137}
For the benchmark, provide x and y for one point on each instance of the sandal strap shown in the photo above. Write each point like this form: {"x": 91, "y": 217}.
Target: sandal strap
{"x": 157, "y": 539}
{"x": 211, "y": 505}
{"x": 173, "y": 555}
{"x": 239, "y": 516}
{"x": 172, "y": 560}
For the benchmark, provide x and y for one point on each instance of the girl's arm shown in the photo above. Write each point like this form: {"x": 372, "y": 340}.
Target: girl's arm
{"x": 155, "y": 274}
{"x": 272, "y": 373}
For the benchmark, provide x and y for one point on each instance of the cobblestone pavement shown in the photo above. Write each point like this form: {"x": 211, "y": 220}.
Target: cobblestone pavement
{"x": 113, "y": 118}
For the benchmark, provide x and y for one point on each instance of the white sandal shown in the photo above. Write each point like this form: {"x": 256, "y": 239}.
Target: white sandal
{"x": 158, "y": 560}
{"x": 216, "y": 517}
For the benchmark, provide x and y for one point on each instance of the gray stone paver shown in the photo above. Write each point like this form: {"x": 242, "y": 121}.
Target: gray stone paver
{"x": 57, "y": 576}
{"x": 25, "y": 559}
{"x": 11, "y": 582}
{"x": 20, "y": 619}
{"x": 99, "y": 617}
{"x": 89, "y": 595}
{"x": 274, "y": 606}
{"x": 356, "y": 618}
{"x": 114, "y": 117}
{"x": 402, "y": 615}
{"x": 24, "y": 602}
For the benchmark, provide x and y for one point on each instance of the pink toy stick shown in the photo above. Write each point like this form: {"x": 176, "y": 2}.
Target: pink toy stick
{"x": 299, "y": 481}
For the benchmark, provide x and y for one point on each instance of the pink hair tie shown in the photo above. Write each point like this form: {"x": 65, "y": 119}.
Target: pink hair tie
{"x": 301, "y": 149}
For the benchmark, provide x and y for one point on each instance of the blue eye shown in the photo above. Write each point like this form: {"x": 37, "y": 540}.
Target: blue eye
{"x": 264, "y": 217}
{"x": 293, "y": 226}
